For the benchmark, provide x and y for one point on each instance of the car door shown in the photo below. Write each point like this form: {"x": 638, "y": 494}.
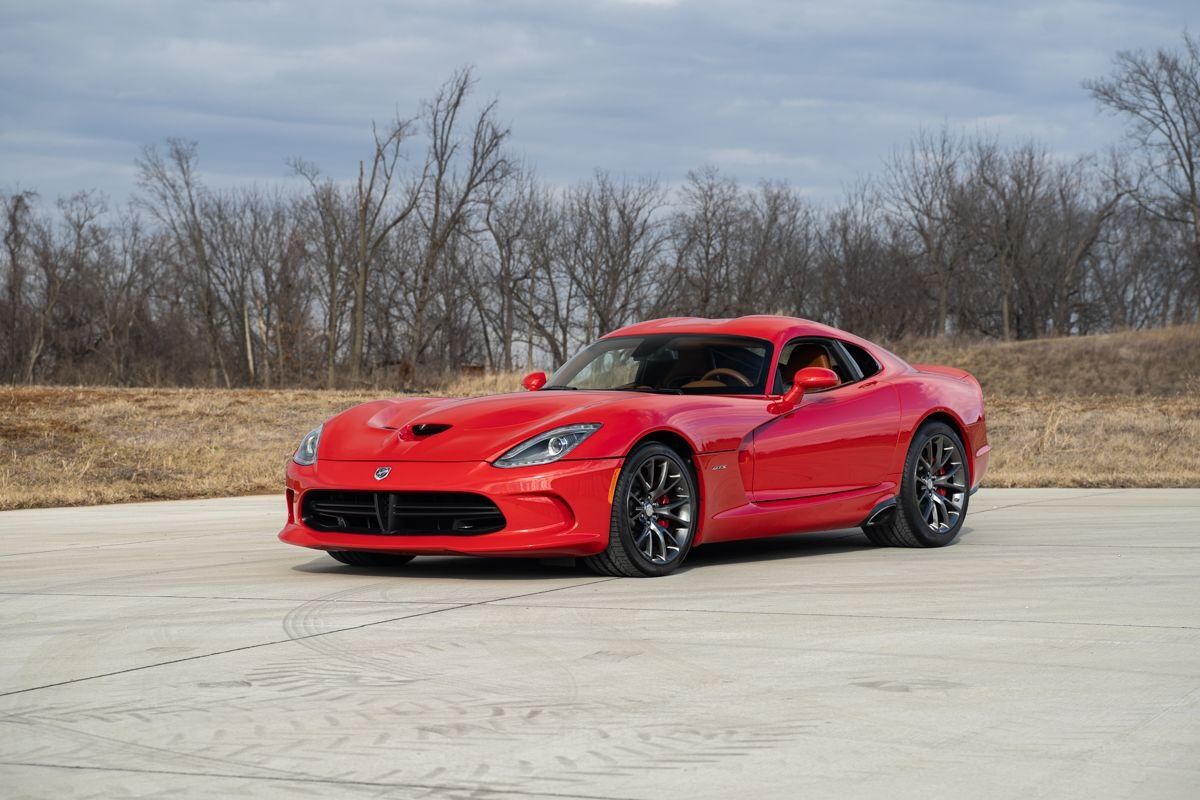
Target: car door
{"x": 836, "y": 440}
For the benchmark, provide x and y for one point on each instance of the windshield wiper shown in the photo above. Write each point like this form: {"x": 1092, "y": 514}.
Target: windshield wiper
{"x": 561, "y": 387}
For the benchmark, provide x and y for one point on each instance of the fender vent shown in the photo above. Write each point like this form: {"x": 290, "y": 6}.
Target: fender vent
{"x": 400, "y": 513}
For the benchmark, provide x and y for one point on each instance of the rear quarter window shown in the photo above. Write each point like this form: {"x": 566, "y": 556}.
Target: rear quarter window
{"x": 865, "y": 361}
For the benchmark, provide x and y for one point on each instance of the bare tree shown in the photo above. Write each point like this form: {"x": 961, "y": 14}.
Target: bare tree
{"x": 710, "y": 231}
{"x": 462, "y": 171}
{"x": 131, "y": 266}
{"x": 175, "y": 196}
{"x": 611, "y": 241}
{"x": 1160, "y": 94}
{"x": 921, "y": 190}
{"x": 17, "y": 213}
{"x": 549, "y": 307}
{"x": 326, "y": 213}
{"x": 376, "y": 216}
{"x": 779, "y": 269}
{"x": 441, "y": 253}
{"x": 511, "y": 211}
{"x": 58, "y": 263}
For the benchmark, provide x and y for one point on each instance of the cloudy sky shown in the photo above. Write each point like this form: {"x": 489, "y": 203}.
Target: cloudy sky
{"x": 816, "y": 93}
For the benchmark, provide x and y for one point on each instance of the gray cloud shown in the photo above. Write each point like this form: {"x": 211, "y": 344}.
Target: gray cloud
{"x": 813, "y": 93}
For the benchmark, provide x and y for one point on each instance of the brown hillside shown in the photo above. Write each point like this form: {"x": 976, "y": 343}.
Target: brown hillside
{"x": 1119, "y": 410}
{"x": 1159, "y": 363}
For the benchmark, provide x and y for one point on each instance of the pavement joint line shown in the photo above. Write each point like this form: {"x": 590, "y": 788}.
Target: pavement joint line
{"x": 1084, "y": 546}
{"x": 973, "y": 512}
{"x": 161, "y": 572}
{"x": 502, "y": 604}
{"x": 314, "y": 779}
{"x": 73, "y": 548}
{"x": 224, "y": 597}
{"x": 258, "y": 645}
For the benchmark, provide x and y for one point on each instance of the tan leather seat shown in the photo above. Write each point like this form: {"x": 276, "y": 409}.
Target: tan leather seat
{"x": 803, "y": 356}
{"x": 689, "y": 368}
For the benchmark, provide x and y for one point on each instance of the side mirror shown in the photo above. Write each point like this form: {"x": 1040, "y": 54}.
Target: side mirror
{"x": 534, "y": 381}
{"x": 806, "y": 380}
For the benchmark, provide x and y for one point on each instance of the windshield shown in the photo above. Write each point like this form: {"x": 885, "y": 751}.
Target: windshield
{"x": 674, "y": 363}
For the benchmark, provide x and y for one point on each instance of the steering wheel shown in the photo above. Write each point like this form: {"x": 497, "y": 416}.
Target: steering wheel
{"x": 728, "y": 373}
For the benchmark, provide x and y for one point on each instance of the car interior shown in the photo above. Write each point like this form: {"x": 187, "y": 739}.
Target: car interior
{"x": 806, "y": 353}
{"x": 719, "y": 364}
{"x": 677, "y": 364}
{"x": 696, "y": 364}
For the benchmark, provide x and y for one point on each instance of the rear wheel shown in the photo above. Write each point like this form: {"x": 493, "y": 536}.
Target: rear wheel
{"x": 653, "y": 515}
{"x": 933, "y": 492}
{"x": 364, "y": 558}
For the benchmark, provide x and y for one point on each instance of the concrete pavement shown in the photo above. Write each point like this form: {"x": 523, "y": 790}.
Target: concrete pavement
{"x": 176, "y": 649}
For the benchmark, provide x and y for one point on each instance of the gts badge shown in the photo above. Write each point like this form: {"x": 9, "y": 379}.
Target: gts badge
{"x": 382, "y": 472}
{"x": 719, "y": 467}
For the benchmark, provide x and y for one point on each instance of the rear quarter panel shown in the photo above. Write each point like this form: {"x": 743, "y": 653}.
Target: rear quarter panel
{"x": 926, "y": 391}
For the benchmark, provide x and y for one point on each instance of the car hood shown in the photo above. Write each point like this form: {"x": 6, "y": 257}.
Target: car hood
{"x": 456, "y": 429}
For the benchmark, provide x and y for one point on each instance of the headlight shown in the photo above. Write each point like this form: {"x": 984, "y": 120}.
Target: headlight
{"x": 546, "y": 447}
{"x": 306, "y": 453}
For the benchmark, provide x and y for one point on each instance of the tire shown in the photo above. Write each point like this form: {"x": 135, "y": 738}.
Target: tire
{"x": 364, "y": 558}
{"x": 932, "y": 505}
{"x": 654, "y": 519}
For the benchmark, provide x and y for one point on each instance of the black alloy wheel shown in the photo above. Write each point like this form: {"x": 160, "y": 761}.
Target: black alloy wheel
{"x": 934, "y": 493}
{"x": 654, "y": 515}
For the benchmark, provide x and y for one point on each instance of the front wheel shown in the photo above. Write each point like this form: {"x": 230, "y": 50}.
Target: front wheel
{"x": 934, "y": 492}
{"x": 364, "y": 558}
{"x": 655, "y": 506}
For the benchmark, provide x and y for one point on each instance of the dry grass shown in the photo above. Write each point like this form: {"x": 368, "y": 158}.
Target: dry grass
{"x": 64, "y": 446}
{"x": 1126, "y": 412}
{"x": 1132, "y": 364}
{"x": 1098, "y": 441}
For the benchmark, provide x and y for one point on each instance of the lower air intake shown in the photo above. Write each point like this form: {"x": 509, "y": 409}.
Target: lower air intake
{"x": 401, "y": 513}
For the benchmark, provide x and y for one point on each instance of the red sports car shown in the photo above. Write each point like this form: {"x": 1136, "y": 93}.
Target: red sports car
{"x": 659, "y": 437}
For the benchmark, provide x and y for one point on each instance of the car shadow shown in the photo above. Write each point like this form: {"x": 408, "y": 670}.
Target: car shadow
{"x": 774, "y": 548}
{"x": 788, "y": 546}
{"x": 453, "y": 567}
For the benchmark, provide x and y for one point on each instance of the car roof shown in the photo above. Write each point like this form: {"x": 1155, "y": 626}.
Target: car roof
{"x": 760, "y": 326}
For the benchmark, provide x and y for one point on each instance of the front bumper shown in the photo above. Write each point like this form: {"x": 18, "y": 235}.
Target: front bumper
{"x": 560, "y": 509}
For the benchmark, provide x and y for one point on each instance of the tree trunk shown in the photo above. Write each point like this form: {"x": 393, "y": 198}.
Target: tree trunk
{"x": 249, "y": 342}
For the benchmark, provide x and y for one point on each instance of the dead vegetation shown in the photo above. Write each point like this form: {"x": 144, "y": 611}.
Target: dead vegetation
{"x": 1117, "y": 410}
{"x": 1155, "y": 363}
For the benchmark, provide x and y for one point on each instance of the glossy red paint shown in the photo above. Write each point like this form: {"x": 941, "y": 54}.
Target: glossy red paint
{"x": 534, "y": 381}
{"x": 560, "y": 512}
{"x": 809, "y": 379}
{"x": 763, "y": 467}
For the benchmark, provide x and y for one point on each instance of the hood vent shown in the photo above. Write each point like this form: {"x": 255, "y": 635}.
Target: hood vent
{"x": 429, "y": 428}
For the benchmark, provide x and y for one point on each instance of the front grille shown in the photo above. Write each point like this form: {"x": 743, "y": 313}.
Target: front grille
{"x": 401, "y": 513}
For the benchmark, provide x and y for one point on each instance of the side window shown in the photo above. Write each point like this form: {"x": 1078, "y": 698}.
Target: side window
{"x": 803, "y": 353}
{"x": 867, "y": 365}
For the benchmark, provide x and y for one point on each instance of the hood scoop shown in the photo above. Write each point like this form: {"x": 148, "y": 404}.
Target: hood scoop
{"x": 423, "y": 429}
{"x": 413, "y": 433}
